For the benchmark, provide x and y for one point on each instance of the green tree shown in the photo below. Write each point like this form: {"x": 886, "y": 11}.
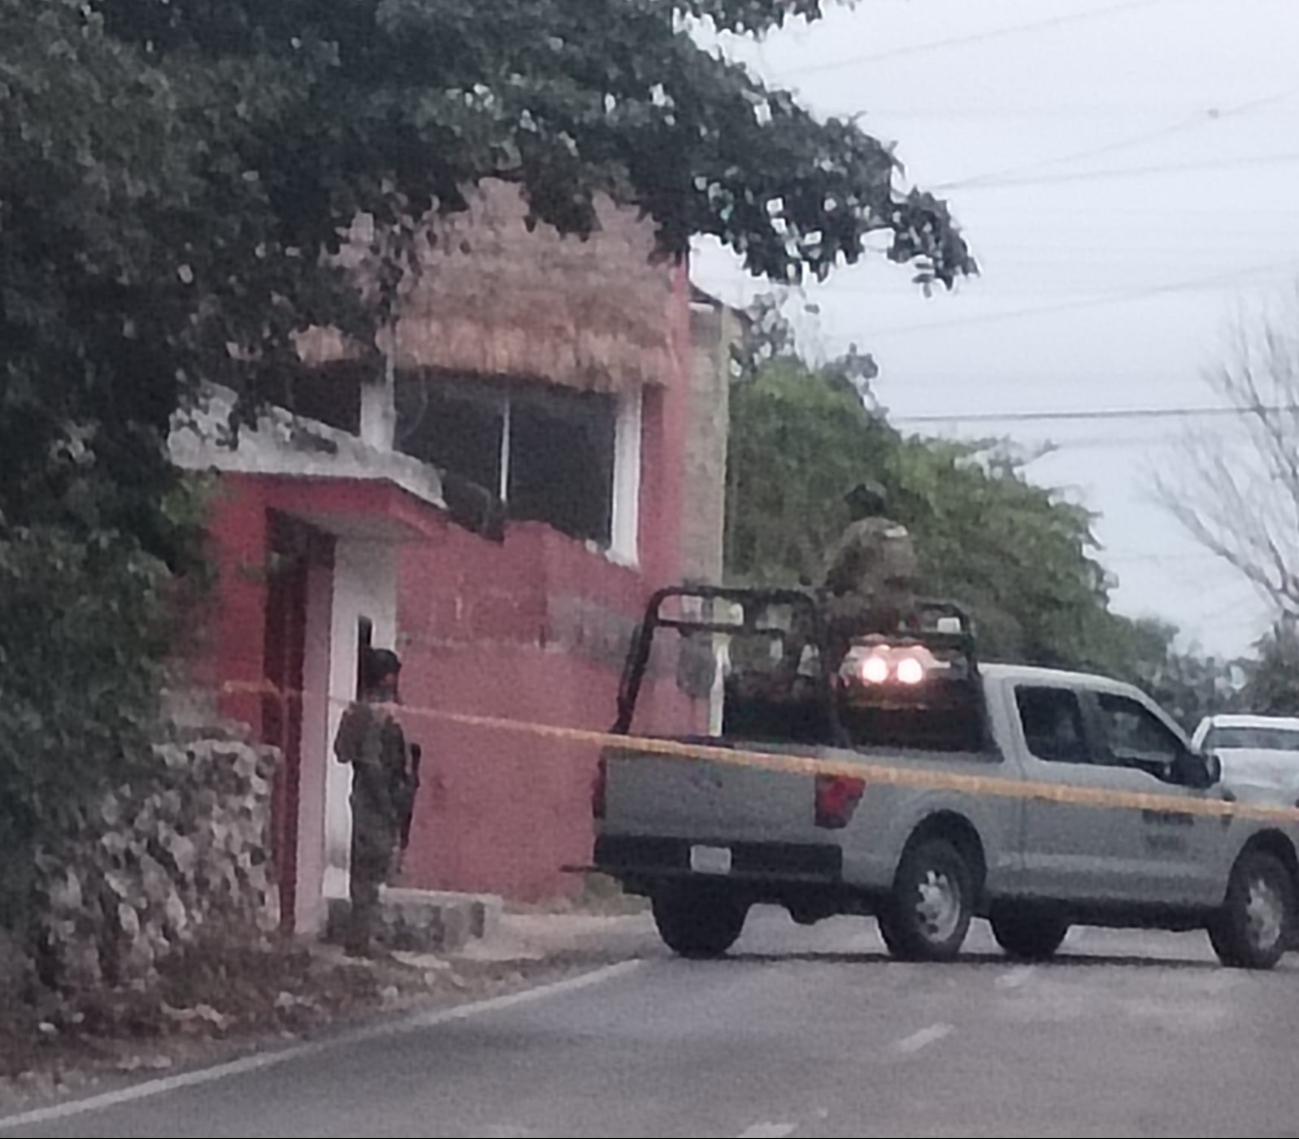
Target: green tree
{"x": 172, "y": 170}
{"x": 1021, "y": 557}
{"x": 1273, "y": 679}
{"x": 172, "y": 176}
{"x": 799, "y": 441}
{"x": 1186, "y": 682}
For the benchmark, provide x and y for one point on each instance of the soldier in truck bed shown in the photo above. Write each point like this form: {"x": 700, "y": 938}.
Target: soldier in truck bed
{"x": 869, "y": 586}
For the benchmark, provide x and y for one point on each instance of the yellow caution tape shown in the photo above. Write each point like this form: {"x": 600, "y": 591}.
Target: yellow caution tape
{"x": 631, "y": 747}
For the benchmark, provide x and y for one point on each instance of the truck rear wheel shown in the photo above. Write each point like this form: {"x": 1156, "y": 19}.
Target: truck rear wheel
{"x": 928, "y": 917}
{"x": 1255, "y": 927}
{"x": 1028, "y": 933}
{"x": 699, "y": 923}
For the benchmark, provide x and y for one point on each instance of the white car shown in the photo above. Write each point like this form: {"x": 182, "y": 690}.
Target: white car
{"x": 1260, "y": 755}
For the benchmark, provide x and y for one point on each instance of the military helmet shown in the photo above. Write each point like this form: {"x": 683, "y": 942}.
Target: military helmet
{"x": 378, "y": 666}
{"x": 867, "y": 499}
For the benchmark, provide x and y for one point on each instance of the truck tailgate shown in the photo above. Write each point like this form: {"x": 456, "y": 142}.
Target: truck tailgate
{"x": 708, "y": 801}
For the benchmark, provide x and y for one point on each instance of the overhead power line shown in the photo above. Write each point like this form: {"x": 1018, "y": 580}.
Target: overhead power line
{"x": 1290, "y": 264}
{"x": 1168, "y": 168}
{"x": 977, "y": 37}
{"x": 1101, "y": 415}
{"x": 1195, "y": 123}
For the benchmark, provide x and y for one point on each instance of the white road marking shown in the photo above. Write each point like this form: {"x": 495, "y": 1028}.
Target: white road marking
{"x": 1016, "y": 978}
{"x": 925, "y": 1038}
{"x": 769, "y": 1131}
{"x": 251, "y": 1065}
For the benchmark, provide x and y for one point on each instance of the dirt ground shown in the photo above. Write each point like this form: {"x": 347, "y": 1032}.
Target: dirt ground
{"x": 221, "y": 1000}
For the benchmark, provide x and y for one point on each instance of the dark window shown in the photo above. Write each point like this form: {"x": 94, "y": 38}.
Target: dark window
{"x": 331, "y": 396}
{"x": 458, "y": 427}
{"x": 548, "y": 451}
{"x": 1137, "y": 737}
{"x": 1053, "y": 724}
{"x": 562, "y": 461}
{"x": 364, "y": 643}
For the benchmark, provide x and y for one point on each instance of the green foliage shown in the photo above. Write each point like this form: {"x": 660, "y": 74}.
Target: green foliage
{"x": 171, "y": 171}
{"x": 1273, "y": 680}
{"x": 799, "y": 442}
{"x": 172, "y": 176}
{"x": 85, "y": 628}
{"x": 1021, "y": 557}
{"x": 1188, "y": 684}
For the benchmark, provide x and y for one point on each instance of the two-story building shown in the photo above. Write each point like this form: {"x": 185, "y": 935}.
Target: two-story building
{"x": 543, "y": 446}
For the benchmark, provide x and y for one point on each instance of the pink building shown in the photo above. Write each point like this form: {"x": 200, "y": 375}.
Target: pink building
{"x": 545, "y": 448}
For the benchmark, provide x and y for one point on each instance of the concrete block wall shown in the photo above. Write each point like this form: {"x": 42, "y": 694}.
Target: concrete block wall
{"x": 715, "y": 330}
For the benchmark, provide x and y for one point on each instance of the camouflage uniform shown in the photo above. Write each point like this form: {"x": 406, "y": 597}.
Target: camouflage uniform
{"x": 869, "y": 586}
{"x": 872, "y": 571}
{"x": 373, "y": 743}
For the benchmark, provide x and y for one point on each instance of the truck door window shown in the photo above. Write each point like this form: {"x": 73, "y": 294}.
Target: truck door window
{"x": 1053, "y": 724}
{"x": 1138, "y": 738}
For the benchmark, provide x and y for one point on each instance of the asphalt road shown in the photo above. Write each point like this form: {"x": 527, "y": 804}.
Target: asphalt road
{"x": 805, "y": 1033}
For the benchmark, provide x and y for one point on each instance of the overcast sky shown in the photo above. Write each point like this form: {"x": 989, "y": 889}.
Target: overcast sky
{"x": 1128, "y": 173}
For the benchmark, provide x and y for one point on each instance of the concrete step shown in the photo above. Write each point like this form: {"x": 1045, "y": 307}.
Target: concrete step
{"x": 419, "y": 921}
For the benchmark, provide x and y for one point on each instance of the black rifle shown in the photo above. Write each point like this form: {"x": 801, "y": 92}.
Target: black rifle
{"x": 411, "y": 795}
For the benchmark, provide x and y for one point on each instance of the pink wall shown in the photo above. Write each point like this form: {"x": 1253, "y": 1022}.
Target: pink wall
{"x": 667, "y": 409}
{"x": 536, "y": 630}
{"x": 236, "y": 625}
{"x": 504, "y": 813}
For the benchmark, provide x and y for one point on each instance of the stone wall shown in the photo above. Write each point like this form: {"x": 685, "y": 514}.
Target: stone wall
{"x": 180, "y": 851}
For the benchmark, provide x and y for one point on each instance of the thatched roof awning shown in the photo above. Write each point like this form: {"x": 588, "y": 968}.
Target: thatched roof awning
{"x": 498, "y": 299}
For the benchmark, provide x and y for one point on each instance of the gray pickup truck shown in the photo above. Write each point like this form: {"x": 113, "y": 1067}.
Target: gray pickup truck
{"x": 943, "y": 791}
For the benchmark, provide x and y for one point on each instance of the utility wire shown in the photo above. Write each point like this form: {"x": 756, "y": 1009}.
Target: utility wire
{"x": 1095, "y": 303}
{"x": 1197, "y": 122}
{"x": 1252, "y": 163}
{"x": 976, "y": 38}
{"x": 1101, "y": 415}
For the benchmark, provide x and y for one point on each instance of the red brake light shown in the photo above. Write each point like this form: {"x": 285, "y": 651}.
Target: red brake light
{"x": 600, "y": 792}
{"x": 837, "y": 800}
{"x": 881, "y": 664}
{"x": 911, "y": 671}
{"x": 875, "y": 669}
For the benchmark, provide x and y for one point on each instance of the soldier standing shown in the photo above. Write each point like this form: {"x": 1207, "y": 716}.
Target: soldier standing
{"x": 869, "y": 586}
{"x": 373, "y": 743}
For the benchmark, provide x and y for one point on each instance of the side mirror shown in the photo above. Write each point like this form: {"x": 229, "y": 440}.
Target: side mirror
{"x": 1200, "y": 770}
